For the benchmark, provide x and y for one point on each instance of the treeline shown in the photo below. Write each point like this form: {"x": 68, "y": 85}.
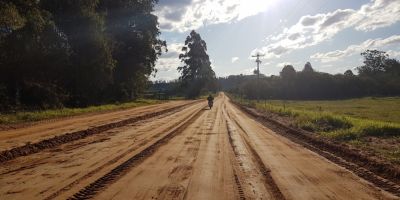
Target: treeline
{"x": 56, "y": 53}
{"x": 379, "y": 76}
{"x": 197, "y": 77}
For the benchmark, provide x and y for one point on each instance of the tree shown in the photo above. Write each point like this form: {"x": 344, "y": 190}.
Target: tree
{"x": 392, "y": 66}
{"x": 308, "y": 68}
{"x": 33, "y": 56}
{"x": 348, "y": 73}
{"x": 75, "y": 52}
{"x": 133, "y": 32}
{"x": 196, "y": 73}
{"x": 288, "y": 72}
{"x": 373, "y": 62}
{"x": 91, "y": 58}
{"x": 255, "y": 71}
{"x": 10, "y": 18}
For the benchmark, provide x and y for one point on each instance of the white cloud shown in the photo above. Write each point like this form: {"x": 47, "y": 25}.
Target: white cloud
{"x": 248, "y": 71}
{"x": 184, "y": 15}
{"x": 282, "y": 64}
{"x": 394, "y": 54}
{"x": 381, "y": 13}
{"x": 311, "y": 30}
{"x": 170, "y": 60}
{"x": 234, "y": 59}
{"x": 378, "y": 43}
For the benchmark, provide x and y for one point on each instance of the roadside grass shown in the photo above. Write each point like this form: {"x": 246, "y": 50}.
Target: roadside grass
{"x": 32, "y": 116}
{"x": 368, "y": 131}
{"x": 374, "y": 108}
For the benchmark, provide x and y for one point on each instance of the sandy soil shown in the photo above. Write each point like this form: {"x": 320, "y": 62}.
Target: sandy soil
{"x": 40, "y": 131}
{"x": 191, "y": 153}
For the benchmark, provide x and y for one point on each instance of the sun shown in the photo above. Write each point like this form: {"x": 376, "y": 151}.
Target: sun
{"x": 252, "y": 7}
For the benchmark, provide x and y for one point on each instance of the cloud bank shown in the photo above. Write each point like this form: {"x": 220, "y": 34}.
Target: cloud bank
{"x": 170, "y": 61}
{"x": 378, "y": 43}
{"x": 184, "y": 15}
{"x": 311, "y": 30}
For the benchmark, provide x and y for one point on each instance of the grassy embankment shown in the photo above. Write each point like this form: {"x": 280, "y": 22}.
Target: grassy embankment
{"x": 31, "y": 116}
{"x": 371, "y": 124}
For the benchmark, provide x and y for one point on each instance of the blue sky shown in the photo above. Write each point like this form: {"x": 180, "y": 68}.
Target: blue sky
{"x": 329, "y": 34}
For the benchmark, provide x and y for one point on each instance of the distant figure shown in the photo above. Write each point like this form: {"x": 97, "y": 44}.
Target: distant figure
{"x": 210, "y": 101}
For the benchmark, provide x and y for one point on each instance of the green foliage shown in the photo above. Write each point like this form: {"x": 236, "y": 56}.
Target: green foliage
{"x": 20, "y": 117}
{"x": 379, "y": 77}
{"x": 348, "y": 73}
{"x": 364, "y": 128}
{"x": 322, "y": 122}
{"x": 135, "y": 48}
{"x": 333, "y": 122}
{"x": 10, "y": 18}
{"x": 91, "y": 58}
{"x": 288, "y": 72}
{"x": 75, "y": 52}
{"x": 373, "y": 62}
{"x": 373, "y": 108}
{"x": 340, "y": 127}
{"x": 308, "y": 68}
{"x": 32, "y": 58}
{"x": 358, "y": 122}
{"x": 196, "y": 73}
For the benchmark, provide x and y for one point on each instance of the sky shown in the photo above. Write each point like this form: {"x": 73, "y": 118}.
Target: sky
{"x": 330, "y": 34}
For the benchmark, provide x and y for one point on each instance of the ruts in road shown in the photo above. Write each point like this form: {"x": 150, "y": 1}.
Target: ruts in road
{"x": 175, "y": 150}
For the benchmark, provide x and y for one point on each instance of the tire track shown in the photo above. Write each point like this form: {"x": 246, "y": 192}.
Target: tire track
{"x": 4, "y": 127}
{"x": 69, "y": 137}
{"x": 269, "y": 182}
{"x": 110, "y": 162}
{"x": 92, "y": 189}
{"x": 381, "y": 175}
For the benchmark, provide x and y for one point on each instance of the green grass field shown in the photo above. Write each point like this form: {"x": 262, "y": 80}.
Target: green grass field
{"x": 382, "y": 109}
{"x": 21, "y": 117}
{"x": 371, "y": 124}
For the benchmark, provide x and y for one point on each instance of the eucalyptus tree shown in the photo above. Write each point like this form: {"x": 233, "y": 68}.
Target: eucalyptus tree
{"x": 196, "y": 72}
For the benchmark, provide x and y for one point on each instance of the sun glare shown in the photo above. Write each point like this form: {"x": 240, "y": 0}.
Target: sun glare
{"x": 252, "y": 7}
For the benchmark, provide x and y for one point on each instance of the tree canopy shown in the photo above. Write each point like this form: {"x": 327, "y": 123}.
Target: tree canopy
{"x": 379, "y": 76}
{"x": 75, "y": 52}
{"x": 373, "y": 62}
{"x": 308, "y": 68}
{"x": 196, "y": 73}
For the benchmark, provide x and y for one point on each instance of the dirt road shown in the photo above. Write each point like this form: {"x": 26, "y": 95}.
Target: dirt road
{"x": 189, "y": 152}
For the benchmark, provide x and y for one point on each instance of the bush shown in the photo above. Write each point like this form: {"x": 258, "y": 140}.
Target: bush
{"x": 363, "y": 128}
{"x": 378, "y": 129}
{"x": 42, "y": 96}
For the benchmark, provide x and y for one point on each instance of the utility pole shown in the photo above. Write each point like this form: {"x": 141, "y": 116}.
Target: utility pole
{"x": 258, "y": 61}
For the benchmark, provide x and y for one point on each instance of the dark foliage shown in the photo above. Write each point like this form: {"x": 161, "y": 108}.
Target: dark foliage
{"x": 197, "y": 75}
{"x": 75, "y": 52}
{"x": 379, "y": 76}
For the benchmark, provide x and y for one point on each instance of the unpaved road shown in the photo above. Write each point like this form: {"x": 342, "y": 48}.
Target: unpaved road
{"x": 187, "y": 153}
{"x": 17, "y": 137}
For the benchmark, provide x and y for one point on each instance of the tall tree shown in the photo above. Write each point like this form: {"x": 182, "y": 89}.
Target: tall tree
{"x": 133, "y": 31}
{"x": 196, "y": 73}
{"x": 308, "y": 68}
{"x": 75, "y": 52}
{"x": 33, "y": 55}
{"x": 288, "y": 72}
{"x": 10, "y": 18}
{"x": 373, "y": 62}
{"x": 348, "y": 73}
{"x": 91, "y": 58}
